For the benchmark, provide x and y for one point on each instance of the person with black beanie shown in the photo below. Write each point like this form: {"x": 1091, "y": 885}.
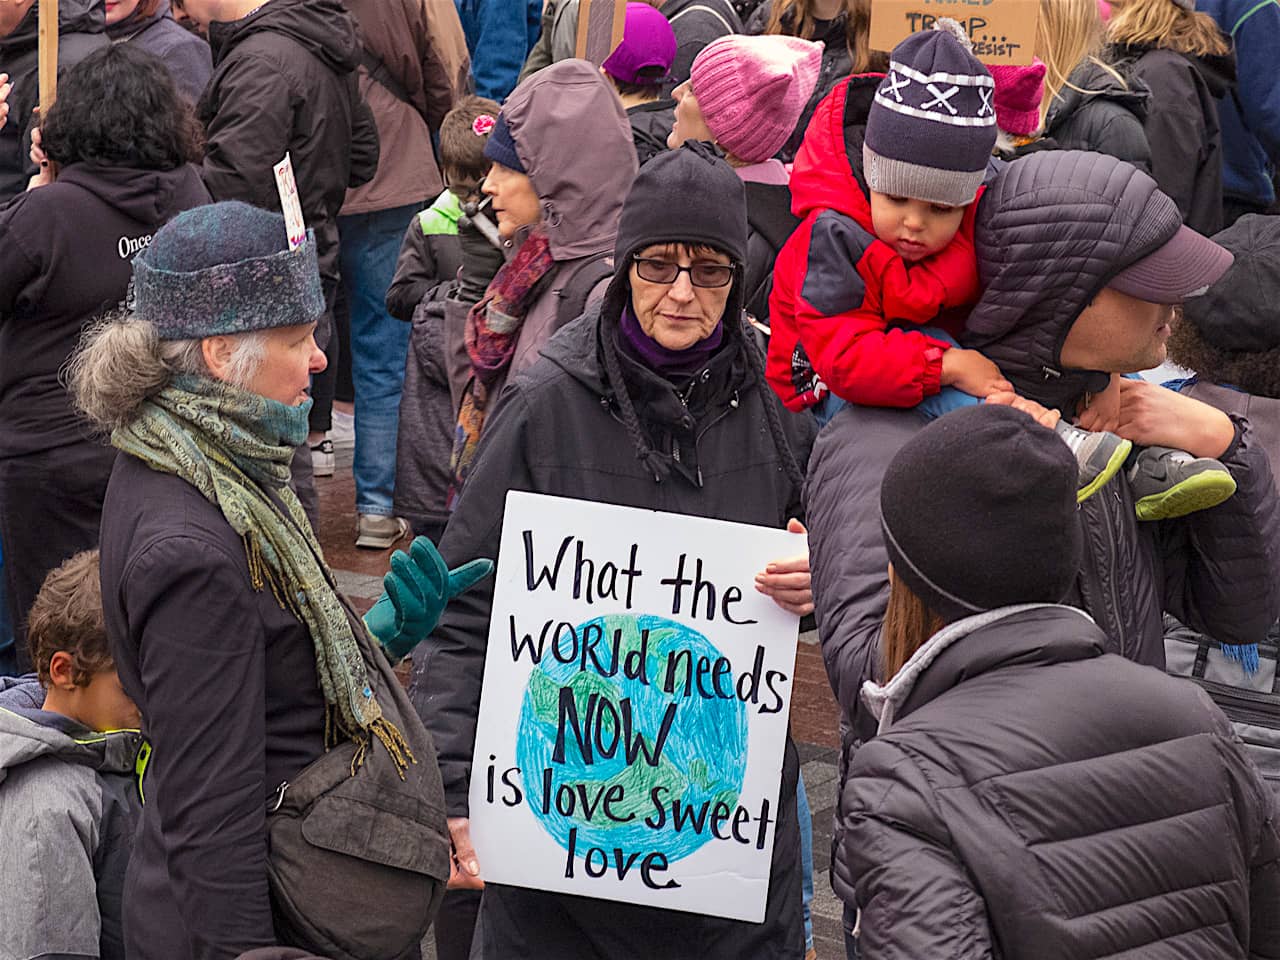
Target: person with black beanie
{"x": 1027, "y": 796}
{"x": 654, "y": 399}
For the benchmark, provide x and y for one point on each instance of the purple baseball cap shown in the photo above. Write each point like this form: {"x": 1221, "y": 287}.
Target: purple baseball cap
{"x": 648, "y": 42}
{"x": 1185, "y": 265}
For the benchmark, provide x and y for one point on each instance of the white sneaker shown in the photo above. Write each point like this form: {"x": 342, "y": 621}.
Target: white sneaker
{"x": 322, "y": 459}
{"x": 343, "y": 431}
{"x": 378, "y": 533}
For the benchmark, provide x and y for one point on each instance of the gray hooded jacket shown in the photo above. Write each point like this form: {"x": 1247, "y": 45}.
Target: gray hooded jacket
{"x": 68, "y": 806}
{"x": 1050, "y": 229}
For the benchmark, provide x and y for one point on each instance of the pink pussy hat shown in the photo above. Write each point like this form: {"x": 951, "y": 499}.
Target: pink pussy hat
{"x": 752, "y": 90}
{"x": 1019, "y": 91}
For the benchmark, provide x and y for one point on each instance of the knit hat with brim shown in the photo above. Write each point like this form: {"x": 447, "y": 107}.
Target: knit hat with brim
{"x": 752, "y": 90}
{"x": 979, "y": 512}
{"x": 932, "y": 125}
{"x": 225, "y": 268}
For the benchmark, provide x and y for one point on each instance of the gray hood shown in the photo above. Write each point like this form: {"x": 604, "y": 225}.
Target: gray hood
{"x": 574, "y": 140}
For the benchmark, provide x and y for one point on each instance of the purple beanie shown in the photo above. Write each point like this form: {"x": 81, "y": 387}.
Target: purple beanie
{"x": 932, "y": 126}
{"x": 752, "y": 90}
{"x": 648, "y": 42}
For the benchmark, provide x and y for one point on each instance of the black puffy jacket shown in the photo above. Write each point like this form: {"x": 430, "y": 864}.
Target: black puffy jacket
{"x": 284, "y": 81}
{"x": 1182, "y": 127}
{"x": 1031, "y": 799}
{"x": 1097, "y": 112}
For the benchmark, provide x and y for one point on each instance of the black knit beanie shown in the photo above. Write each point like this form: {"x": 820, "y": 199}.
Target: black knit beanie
{"x": 690, "y": 196}
{"x": 979, "y": 512}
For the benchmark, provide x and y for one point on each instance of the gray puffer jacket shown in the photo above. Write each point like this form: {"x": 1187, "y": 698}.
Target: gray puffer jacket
{"x": 1117, "y": 816}
{"x": 68, "y": 807}
{"x": 1049, "y": 230}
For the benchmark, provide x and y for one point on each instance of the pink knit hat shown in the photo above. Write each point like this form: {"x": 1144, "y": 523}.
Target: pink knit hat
{"x": 752, "y": 90}
{"x": 1017, "y": 98}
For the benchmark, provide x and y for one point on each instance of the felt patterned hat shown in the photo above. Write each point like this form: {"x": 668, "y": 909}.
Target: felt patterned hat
{"x": 225, "y": 268}
{"x": 932, "y": 125}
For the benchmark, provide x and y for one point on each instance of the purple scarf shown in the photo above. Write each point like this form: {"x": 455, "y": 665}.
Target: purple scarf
{"x": 670, "y": 364}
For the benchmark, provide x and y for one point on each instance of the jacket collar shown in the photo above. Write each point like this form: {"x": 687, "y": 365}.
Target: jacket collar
{"x": 1033, "y": 633}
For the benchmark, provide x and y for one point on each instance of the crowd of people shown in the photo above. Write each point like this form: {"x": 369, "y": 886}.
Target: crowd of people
{"x": 902, "y": 304}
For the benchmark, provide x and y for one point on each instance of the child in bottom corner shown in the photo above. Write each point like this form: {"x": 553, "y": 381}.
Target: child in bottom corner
{"x": 871, "y": 291}
{"x": 69, "y": 793}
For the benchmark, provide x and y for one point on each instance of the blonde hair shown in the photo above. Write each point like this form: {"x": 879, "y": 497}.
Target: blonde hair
{"x": 908, "y": 624}
{"x": 1068, "y": 33}
{"x": 1164, "y": 24}
{"x": 795, "y": 19}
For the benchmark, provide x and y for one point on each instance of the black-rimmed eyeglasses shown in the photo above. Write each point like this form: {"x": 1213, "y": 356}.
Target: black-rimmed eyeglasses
{"x": 700, "y": 274}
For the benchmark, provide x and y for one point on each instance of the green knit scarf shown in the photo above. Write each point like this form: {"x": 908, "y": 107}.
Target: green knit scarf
{"x": 230, "y": 444}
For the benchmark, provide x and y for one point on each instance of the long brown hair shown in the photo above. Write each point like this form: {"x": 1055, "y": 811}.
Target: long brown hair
{"x": 1164, "y": 24}
{"x": 794, "y": 18}
{"x": 908, "y": 623}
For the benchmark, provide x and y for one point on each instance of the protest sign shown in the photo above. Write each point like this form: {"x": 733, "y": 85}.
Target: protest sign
{"x": 1002, "y": 31}
{"x": 600, "y": 29}
{"x": 634, "y": 709}
{"x": 290, "y": 205}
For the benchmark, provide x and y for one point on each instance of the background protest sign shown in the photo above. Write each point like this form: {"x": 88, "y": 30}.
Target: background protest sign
{"x": 634, "y": 709}
{"x": 1002, "y": 31}
{"x": 600, "y": 29}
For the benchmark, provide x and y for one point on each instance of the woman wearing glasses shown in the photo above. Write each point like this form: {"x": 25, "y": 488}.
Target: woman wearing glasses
{"x": 656, "y": 399}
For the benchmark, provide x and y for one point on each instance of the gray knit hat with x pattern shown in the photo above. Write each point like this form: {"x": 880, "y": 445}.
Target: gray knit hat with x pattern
{"x": 932, "y": 125}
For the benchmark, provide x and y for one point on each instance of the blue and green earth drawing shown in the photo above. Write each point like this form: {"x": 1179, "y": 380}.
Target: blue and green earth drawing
{"x": 704, "y": 757}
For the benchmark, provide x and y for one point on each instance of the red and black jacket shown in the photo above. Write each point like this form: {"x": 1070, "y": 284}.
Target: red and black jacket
{"x": 840, "y": 295}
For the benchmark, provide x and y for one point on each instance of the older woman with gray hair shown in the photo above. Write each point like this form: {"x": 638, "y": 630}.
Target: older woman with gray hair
{"x": 257, "y": 684}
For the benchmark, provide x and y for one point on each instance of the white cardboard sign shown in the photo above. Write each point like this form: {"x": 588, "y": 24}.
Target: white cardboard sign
{"x": 634, "y": 709}
{"x": 290, "y": 205}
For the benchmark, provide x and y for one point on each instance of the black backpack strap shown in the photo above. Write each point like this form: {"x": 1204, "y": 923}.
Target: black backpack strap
{"x": 574, "y": 294}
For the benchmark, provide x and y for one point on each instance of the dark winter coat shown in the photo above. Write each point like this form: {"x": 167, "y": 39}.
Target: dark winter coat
{"x": 695, "y": 24}
{"x": 183, "y": 52}
{"x": 559, "y": 432}
{"x": 837, "y": 64}
{"x": 81, "y": 25}
{"x": 1217, "y": 569}
{"x": 91, "y": 215}
{"x": 651, "y": 124}
{"x": 284, "y": 81}
{"x": 770, "y": 224}
{"x": 1115, "y": 815}
{"x": 68, "y": 808}
{"x": 231, "y": 704}
{"x": 1102, "y": 115}
{"x": 430, "y": 255}
{"x": 1182, "y": 127}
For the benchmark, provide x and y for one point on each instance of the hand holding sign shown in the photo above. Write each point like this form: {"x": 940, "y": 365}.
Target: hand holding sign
{"x": 788, "y": 581}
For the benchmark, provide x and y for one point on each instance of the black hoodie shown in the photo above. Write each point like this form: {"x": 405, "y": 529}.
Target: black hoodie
{"x": 284, "y": 81}
{"x": 1182, "y": 128}
{"x": 80, "y": 31}
{"x": 67, "y": 253}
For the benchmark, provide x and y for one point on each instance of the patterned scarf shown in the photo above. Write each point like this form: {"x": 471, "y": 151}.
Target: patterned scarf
{"x": 493, "y": 329}
{"x": 230, "y": 444}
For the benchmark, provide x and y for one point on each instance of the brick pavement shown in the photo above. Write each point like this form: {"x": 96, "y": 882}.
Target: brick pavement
{"x": 814, "y": 715}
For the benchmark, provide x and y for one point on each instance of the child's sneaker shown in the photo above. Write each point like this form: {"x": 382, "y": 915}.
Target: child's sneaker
{"x": 1100, "y": 456}
{"x": 1171, "y": 483}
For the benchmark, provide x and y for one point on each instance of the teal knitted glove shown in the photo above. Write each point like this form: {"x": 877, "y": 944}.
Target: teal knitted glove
{"x": 417, "y": 588}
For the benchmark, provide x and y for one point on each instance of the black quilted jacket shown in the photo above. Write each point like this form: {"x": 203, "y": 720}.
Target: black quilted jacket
{"x": 1116, "y": 816}
{"x": 1095, "y": 111}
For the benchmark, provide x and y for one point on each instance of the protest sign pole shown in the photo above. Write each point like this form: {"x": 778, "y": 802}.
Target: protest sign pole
{"x": 600, "y": 29}
{"x": 47, "y": 57}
